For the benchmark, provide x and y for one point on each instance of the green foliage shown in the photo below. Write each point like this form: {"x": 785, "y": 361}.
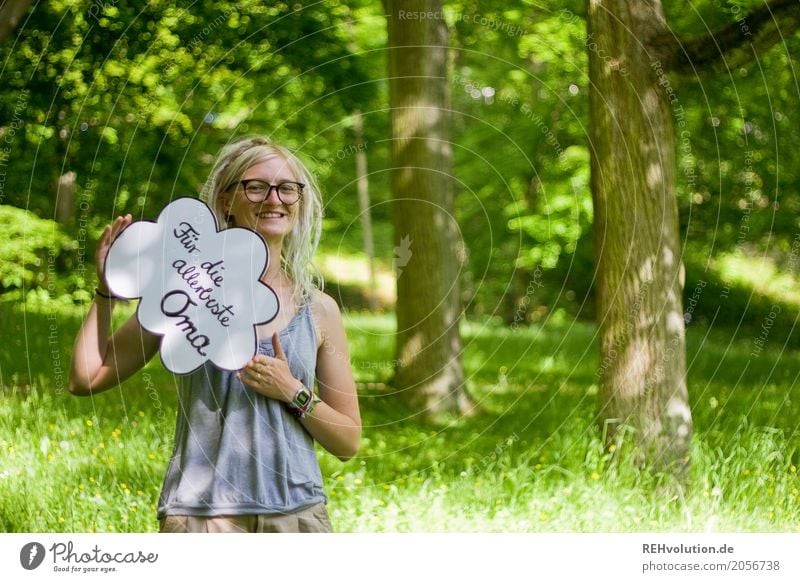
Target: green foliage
{"x": 34, "y": 251}
{"x": 138, "y": 101}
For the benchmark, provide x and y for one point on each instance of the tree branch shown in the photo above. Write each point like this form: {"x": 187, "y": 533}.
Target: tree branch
{"x": 733, "y": 44}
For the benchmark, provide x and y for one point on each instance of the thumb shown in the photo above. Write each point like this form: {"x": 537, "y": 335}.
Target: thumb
{"x": 276, "y": 344}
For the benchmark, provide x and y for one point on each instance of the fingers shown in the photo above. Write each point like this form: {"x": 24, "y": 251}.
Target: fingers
{"x": 276, "y": 344}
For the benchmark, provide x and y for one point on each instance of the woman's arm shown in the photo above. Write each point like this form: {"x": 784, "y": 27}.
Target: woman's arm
{"x": 335, "y": 422}
{"x": 100, "y": 361}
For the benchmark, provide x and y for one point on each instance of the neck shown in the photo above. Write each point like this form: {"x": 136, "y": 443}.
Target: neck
{"x": 273, "y": 274}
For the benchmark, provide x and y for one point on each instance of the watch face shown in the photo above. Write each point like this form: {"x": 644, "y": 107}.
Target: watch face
{"x": 303, "y": 397}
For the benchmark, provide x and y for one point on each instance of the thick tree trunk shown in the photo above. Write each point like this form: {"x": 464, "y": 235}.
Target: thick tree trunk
{"x": 643, "y": 364}
{"x": 428, "y": 365}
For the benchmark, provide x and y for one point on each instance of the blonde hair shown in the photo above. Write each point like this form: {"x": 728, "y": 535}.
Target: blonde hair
{"x": 299, "y": 245}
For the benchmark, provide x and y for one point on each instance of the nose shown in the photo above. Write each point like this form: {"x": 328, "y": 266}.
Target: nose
{"x": 268, "y": 200}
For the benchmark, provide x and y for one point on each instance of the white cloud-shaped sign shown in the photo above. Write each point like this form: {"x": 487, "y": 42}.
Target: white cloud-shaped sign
{"x": 200, "y": 287}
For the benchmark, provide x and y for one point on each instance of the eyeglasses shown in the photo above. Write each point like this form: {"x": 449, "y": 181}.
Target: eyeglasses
{"x": 258, "y": 191}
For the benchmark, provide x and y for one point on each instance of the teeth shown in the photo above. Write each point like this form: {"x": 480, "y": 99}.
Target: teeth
{"x": 270, "y": 215}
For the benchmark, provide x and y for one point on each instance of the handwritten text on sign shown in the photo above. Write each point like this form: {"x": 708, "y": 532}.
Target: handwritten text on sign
{"x": 199, "y": 287}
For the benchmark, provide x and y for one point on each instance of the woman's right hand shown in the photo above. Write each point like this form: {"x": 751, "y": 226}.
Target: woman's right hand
{"x": 110, "y": 233}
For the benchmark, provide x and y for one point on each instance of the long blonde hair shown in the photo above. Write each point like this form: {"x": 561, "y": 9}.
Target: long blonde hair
{"x": 299, "y": 246}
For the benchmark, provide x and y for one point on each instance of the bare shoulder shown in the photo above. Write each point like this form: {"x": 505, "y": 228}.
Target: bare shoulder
{"x": 327, "y": 315}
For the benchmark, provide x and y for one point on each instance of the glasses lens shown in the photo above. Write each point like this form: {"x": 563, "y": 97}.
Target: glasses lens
{"x": 289, "y": 192}
{"x": 256, "y": 191}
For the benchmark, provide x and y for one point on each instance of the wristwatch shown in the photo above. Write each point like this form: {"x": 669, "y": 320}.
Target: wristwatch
{"x": 303, "y": 402}
{"x": 302, "y": 397}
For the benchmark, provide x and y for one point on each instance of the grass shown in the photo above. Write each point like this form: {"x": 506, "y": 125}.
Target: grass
{"x": 531, "y": 460}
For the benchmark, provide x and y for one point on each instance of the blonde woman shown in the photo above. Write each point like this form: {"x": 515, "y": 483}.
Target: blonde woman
{"x": 244, "y": 457}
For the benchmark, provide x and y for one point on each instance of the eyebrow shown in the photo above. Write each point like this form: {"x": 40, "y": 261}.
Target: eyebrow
{"x": 278, "y": 181}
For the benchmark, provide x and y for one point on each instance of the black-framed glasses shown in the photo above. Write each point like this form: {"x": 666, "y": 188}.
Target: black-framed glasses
{"x": 258, "y": 190}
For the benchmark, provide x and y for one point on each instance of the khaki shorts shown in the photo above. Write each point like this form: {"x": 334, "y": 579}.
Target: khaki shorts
{"x": 313, "y": 519}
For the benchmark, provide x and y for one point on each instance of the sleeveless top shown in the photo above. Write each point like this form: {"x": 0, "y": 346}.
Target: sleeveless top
{"x": 237, "y": 452}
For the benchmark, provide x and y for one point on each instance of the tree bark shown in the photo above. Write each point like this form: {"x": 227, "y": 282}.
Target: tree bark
{"x": 642, "y": 372}
{"x": 428, "y": 366}
{"x": 65, "y": 198}
{"x": 11, "y": 13}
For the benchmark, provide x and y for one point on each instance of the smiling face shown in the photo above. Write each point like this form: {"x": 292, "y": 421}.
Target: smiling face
{"x": 271, "y": 218}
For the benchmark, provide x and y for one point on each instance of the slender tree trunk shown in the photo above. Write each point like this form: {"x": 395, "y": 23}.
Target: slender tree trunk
{"x": 65, "y": 198}
{"x": 428, "y": 364}
{"x": 364, "y": 206}
{"x": 643, "y": 364}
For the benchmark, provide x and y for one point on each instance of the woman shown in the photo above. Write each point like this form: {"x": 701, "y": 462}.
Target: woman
{"x": 244, "y": 455}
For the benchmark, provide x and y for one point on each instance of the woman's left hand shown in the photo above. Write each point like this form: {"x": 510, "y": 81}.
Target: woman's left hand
{"x": 271, "y": 376}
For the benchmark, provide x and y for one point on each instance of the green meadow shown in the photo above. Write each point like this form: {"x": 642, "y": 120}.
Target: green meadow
{"x": 530, "y": 459}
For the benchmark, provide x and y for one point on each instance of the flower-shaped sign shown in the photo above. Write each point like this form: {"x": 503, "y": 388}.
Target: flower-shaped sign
{"x": 200, "y": 287}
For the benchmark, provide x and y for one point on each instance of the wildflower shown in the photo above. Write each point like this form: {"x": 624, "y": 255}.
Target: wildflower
{"x": 340, "y": 478}
{"x": 357, "y": 481}
{"x": 89, "y": 423}
{"x": 595, "y": 476}
{"x": 61, "y": 520}
{"x": 746, "y": 472}
{"x": 793, "y": 469}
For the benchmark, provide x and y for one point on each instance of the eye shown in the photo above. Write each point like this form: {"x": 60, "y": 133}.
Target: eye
{"x": 256, "y": 188}
{"x": 288, "y": 188}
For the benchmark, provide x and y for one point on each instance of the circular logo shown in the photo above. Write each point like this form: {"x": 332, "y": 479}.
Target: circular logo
{"x": 31, "y": 555}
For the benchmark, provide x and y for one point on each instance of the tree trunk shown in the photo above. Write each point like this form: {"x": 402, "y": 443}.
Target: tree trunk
{"x": 642, "y": 371}
{"x": 428, "y": 366}
{"x": 65, "y": 198}
{"x": 11, "y": 13}
{"x": 362, "y": 181}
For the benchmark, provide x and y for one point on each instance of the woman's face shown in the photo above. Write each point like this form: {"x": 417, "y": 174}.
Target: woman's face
{"x": 271, "y": 218}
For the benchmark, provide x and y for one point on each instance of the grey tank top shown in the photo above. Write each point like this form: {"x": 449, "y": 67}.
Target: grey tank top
{"x": 237, "y": 452}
